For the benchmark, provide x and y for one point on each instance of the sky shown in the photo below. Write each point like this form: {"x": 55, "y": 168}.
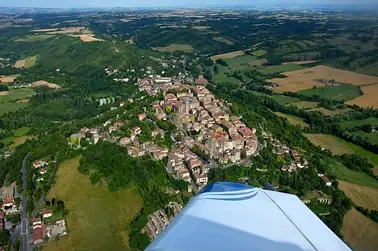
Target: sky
{"x": 163, "y": 3}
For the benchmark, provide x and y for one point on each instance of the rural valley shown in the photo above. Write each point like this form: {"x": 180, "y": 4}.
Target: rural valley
{"x": 112, "y": 120}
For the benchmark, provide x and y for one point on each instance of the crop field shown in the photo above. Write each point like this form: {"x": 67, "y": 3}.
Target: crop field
{"x": 353, "y": 177}
{"x": 369, "y": 99}
{"x": 360, "y": 195}
{"x": 175, "y": 47}
{"x": 97, "y": 219}
{"x": 8, "y": 79}
{"x": 228, "y": 55}
{"x": 340, "y": 146}
{"x": 339, "y": 93}
{"x": 359, "y": 231}
{"x": 19, "y": 137}
{"x": 25, "y": 63}
{"x": 259, "y": 53}
{"x": 292, "y": 119}
{"x": 285, "y": 100}
{"x": 306, "y": 78}
{"x": 329, "y": 112}
{"x": 305, "y": 104}
{"x": 352, "y": 123}
{"x": 281, "y": 68}
{"x": 222, "y": 40}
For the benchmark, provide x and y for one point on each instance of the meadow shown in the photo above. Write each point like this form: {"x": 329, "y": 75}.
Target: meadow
{"x": 371, "y": 137}
{"x": 97, "y": 219}
{"x": 8, "y": 102}
{"x": 175, "y": 47}
{"x": 339, "y": 93}
{"x": 281, "y": 68}
{"x": 305, "y": 104}
{"x": 285, "y": 100}
{"x": 329, "y": 112}
{"x": 293, "y": 120}
{"x": 352, "y": 123}
{"x": 350, "y": 176}
{"x": 340, "y": 146}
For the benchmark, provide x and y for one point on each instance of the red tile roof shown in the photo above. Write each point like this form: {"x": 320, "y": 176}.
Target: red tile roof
{"x": 38, "y": 233}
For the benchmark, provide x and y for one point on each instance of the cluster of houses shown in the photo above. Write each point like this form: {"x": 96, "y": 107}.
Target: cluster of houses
{"x": 159, "y": 220}
{"x": 223, "y": 137}
{"x": 52, "y": 231}
{"x": 42, "y": 168}
{"x": 297, "y": 160}
{"x": 186, "y": 165}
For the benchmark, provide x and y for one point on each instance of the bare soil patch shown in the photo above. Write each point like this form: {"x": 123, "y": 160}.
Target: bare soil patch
{"x": 45, "y": 83}
{"x": 8, "y": 79}
{"x": 87, "y": 38}
{"x": 306, "y": 78}
{"x": 365, "y": 197}
{"x": 369, "y": 99}
{"x": 4, "y": 93}
{"x": 23, "y": 101}
{"x": 359, "y": 231}
{"x": 228, "y": 55}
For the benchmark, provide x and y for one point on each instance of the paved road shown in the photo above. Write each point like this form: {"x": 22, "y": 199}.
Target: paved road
{"x": 24, "y": 217}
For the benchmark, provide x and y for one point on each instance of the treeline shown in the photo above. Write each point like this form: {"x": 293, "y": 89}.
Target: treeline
{"x": 357, "y": 163}
{"x": 372, "y": 214}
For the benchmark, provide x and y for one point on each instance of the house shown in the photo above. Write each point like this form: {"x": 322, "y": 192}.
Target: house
{"x": 121, "y": 104}
{"x": 142, "y": 116}
{"x": 42, "y": 171}
{"x": 39, "y": 163}
{"x": 93, "y": 130}
{"x": 158, "y": 155}
{"x": 136, "y": 130}
{"x": 135, "y": 152}
{"x": 38, "y": 234}
{"x": 84, "y": 130}
{"x": 36, "y": 221}
{"x": 326, "y": 180}
{"x": 194, "y": 162}
{"x": 47, "y": 213}
{"x": 124, "y": 141}
{"x": 157, "y": 132}
{"x": 8, "y": 202}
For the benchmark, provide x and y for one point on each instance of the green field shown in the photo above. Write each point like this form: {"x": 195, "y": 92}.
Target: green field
{"x": 17, "y": 138}
{"x": 306, "y": 104}
{"x": 283, "y": 100}
{"x": 175, "y": 47}
{"x": 352, "y": 123}
{"x": 329, "y": 112}
{"x": 97, "y": 219}
{"x": 293, "y": 119}
{"x": 371, "y": 137}
{"x": 222, "y": 40}
{"x": 11, "y": 107}
{"x": 281, "y": 68}
{"x": 339, "y": 93}
{"x": 345, "y": 174}
{"x": 236, "y": 62}
{"x": 340, "y": 146}
{"x": 34, "y": 38}
{"x": 8, "y": 102}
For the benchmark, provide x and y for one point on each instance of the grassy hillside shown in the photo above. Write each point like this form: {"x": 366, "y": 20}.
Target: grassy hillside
{"x": 99, "y": 219}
